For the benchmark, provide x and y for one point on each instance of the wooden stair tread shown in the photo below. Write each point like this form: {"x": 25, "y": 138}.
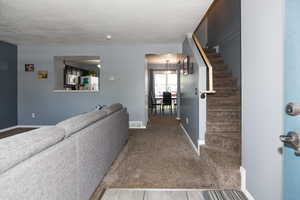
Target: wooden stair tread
{"x": 222, "y": 123}
{"x": 224, "y": 108}
{"x": 222, "y": 158}
{"x": 234, "y": 136}
{"x": 222, "y": 149}
{"x": 224, "y": 132}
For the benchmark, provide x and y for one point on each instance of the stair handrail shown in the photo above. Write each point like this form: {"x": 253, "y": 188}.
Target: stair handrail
{"x": 210, "y": 89}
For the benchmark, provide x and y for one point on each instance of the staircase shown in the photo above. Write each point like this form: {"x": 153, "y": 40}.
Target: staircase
{"x": 222, "y": 149}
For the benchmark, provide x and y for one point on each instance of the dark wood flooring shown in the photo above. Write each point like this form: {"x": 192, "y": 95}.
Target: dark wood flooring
{"x": 14, "y": 131}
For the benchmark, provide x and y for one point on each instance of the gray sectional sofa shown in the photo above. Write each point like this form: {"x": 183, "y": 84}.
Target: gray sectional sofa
{"x": 62, "y": 162}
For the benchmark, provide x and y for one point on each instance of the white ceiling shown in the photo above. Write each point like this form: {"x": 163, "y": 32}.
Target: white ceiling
{"x": 89, "y": 21}
{"x": 164, "y": 58}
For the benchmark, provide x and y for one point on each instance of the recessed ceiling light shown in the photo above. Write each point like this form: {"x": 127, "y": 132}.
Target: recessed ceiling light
{"x": 108, "y": 37}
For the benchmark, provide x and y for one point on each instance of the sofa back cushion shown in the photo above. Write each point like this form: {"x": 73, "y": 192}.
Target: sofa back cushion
{"x": 112, "y": 108}
{"x": 48, "y": 175}
{"x": 74, "y": 124}
{"x": 98, "y": 145}
{"x": 18, "y": 148}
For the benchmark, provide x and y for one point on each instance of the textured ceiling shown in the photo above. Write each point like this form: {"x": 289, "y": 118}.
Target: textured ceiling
{"x": 89, "y": 21}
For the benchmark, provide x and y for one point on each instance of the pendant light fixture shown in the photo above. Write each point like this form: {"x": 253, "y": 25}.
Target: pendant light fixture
{"x": 167, "y": 65}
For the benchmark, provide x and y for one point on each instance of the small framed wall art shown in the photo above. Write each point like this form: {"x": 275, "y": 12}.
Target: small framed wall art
{"x": 29, "y": 67}
{"x": 42, "y": 74}
{"x": 185, "y": 65}
{"x": 191, "y": 68}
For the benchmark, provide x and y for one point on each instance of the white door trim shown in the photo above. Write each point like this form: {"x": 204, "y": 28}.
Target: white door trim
{"x": 243, "y": 184}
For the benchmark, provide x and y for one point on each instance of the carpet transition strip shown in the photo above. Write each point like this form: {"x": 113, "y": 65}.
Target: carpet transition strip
{"x": 173, "y": 194}
{"x": 224, "y": 195}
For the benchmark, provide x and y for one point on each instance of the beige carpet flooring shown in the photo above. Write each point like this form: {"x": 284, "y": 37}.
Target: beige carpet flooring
{"x": 158, "y": 157}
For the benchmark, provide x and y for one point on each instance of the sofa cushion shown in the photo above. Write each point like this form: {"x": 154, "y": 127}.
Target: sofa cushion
{"x": 18, "y": 148}
{"x": 112, "y": 108}
{"x": 79, "y": 122}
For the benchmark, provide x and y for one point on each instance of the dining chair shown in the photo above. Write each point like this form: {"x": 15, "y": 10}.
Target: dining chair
{"x": 167, "y": 101}
{"x": 154, "y": 104}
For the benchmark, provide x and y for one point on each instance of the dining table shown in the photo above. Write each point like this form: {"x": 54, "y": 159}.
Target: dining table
{"x": 159, "y": 101}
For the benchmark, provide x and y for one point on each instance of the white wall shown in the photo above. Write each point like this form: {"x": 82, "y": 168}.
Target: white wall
{"x": 262, "y": 96}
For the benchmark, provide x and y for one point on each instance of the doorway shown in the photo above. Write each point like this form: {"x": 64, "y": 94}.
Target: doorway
{"x": 163, "y": 84}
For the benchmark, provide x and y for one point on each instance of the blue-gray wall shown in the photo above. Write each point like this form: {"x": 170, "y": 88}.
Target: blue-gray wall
{"x": 189, "y": 104}
{"x": 224, "y": 30}
{"x": 8, "y": 82}
{"x": 291, "y": 162}
{"x": 125, "y": 62}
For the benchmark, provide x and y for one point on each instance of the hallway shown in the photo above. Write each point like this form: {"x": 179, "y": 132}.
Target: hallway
{"x": 160, "y": 157}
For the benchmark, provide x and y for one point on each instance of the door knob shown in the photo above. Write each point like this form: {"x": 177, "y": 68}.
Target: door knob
{"x": 292, "y": 140}
{"x": 292, "y": 109}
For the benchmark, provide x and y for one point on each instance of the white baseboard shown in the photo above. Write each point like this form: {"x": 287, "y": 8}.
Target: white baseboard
{"x": 197, "y": 149}
{"x": 136, "y": 125}
{"x": 133, "y": 127}
{"x": 33, "y": 126}
{"x": 200, "y": 143}
{"x": 243, "y": 184}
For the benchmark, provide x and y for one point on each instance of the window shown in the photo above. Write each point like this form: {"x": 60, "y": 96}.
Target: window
{"x": 165, "y": 81}
{"x": 172, "y": 83}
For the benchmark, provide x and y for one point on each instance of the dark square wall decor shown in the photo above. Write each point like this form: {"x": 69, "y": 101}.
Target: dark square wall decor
{"x": 29, "y": 67}
{"x": 185, "y": 65}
